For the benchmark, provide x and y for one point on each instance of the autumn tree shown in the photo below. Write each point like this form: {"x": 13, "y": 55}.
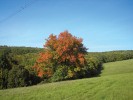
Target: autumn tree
{"x": 63, "y": 52}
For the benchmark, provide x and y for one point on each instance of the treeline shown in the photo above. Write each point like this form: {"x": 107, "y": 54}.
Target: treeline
{"x": 21, "y": 50}
{"x": 16, "y": 65}
{"x": 112, "y": 56}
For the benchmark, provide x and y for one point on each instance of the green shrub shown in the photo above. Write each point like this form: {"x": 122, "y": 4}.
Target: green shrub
{"x": 94, "y": 66}
{"x": 60, "y": 74}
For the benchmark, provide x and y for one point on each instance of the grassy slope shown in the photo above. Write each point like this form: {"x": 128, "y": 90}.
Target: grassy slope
{"x": 115, "y": 83}
{"x": 118, "y": 67}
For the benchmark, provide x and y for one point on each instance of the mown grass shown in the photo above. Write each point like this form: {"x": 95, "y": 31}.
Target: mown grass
{"x": 116, "y": 85}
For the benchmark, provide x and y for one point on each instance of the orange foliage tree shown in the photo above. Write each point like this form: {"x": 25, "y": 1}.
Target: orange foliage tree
{"x": 65, "y": 50}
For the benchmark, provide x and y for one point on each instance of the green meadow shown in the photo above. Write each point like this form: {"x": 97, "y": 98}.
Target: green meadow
{"x": 114, "y": 83}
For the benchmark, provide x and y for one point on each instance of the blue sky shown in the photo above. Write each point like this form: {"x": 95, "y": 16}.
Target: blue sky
{"x": 104, "y": 25}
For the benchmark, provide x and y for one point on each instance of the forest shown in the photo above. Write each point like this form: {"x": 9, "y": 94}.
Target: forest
{"x": 16, "y": 65}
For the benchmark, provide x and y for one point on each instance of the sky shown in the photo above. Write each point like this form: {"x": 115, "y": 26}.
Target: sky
{"x": 104, "y": 25}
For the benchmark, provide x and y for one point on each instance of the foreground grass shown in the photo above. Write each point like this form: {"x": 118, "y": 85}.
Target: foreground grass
{"x": 117, "y": 85}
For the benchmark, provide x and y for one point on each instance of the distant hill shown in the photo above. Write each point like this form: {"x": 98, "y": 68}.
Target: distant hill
{"x": 25, "y": 56}
{"x": 21, "y": 50}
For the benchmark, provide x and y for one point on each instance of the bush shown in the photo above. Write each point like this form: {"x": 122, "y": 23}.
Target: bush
{"x": 60, "y": 74}
{"x": 94, "y": 67}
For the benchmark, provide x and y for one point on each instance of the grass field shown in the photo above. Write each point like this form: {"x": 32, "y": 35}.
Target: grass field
{"x": 115, "y": 83}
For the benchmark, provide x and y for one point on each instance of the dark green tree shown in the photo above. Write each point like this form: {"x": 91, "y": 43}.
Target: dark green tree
{"x": 5, "y": 66}
{"x": 18, "y": 77}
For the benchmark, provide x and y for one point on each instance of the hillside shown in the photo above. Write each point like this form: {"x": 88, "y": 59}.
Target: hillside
{"x": 118, "y": 67}
{"x": 112, "y": 85}
{"x": 16, "y": 66}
